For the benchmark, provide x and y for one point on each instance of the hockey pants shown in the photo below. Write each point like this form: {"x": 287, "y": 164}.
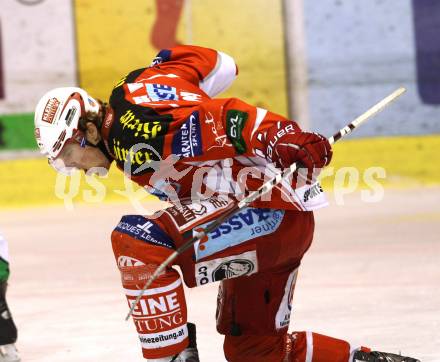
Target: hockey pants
{"x": 256, "y": 257}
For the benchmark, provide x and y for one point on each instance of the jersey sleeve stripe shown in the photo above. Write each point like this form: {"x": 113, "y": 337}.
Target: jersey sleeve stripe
{"x": 221, "y": 77}
{"x": 261, "y": 113}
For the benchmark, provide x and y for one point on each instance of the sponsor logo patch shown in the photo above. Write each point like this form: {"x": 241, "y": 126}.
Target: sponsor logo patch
{"x": 270, "y": 143}
{"x": 136, "y": 138}
{"x": 160, "y": 312}
{"x": 146, "y": 130}
{"x": 151, "y": 305}
{"x": 108, "y": 118}
{"x": 247, "y": 224}
{"x": 313, "y": 191}
{"x": 50, "y": 110}
{"x": 220, "y": 138}
{"x": 69, "y": 117}
{"x": 226, "y": 268}
{"x": 161, "y": 92}
{"x": 135, "y": 272}
{"x": 163, "y": 339}
{"x": 235, "y": 122}
{"x": 187, "y": 142}
{"x": 282, "y": 318}
{"x": 188, "y": 213}
{"x": 140, "y": 228}
{"x": 311, "y": 197}
{"x": 220, "y": 304}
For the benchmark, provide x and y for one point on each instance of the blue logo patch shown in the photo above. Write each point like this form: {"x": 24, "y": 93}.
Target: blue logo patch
{"x": 187, "y": 142}
{"x": 163, "y": 56}
{"x": 248, "y": 224}
{"x": 161, "y": 92}
{"x": 142, "y": 229}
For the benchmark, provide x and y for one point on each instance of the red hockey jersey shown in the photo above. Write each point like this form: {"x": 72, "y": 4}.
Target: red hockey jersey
{"x": 166, "y": 132}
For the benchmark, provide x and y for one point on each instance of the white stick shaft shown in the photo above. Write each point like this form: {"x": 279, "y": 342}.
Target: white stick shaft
{"x": 378, "y": 107}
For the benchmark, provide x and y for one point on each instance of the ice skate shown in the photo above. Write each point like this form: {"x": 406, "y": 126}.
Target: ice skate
{"x": 9, "y": 353}
{"x": 376, "y": 356}
{"x": 189, "y": 354}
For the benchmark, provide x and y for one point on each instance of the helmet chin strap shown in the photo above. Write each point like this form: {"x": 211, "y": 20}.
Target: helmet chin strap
{"x": 101, "y": 145}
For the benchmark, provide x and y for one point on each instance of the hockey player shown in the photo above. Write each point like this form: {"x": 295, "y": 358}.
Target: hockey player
{"x": 8, "y": 330}
{"x": 165, "y": 131}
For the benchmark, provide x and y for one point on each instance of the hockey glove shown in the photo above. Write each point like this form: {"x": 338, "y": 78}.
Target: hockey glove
{"x": 286, "y": 144}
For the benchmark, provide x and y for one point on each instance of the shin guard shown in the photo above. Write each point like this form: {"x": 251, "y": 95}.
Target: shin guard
{"x": 160, "y": 317}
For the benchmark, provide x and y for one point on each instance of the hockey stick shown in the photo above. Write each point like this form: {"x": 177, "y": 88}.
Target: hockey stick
{"x": 263, "y": 190}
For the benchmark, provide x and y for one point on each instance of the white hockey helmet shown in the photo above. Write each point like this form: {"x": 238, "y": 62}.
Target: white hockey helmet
{"x": 57, "y": 117}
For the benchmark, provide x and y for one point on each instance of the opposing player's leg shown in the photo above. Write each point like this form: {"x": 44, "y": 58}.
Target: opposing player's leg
{"x": 140, "y": 245}
{"x": 8, "y": 330}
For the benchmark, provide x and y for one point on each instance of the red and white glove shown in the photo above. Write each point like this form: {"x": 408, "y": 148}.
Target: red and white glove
{"x": 286, "y": 144}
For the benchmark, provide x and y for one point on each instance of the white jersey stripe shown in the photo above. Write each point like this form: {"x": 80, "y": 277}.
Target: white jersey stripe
{"x": 309, "y": 355}
{"x": 261, "y": 113}
{"x": 153, "y": 291}
{"x": 221, "y": 77}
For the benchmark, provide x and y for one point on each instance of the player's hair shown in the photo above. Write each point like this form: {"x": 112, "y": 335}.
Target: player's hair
{"x": 96, "y": 119}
